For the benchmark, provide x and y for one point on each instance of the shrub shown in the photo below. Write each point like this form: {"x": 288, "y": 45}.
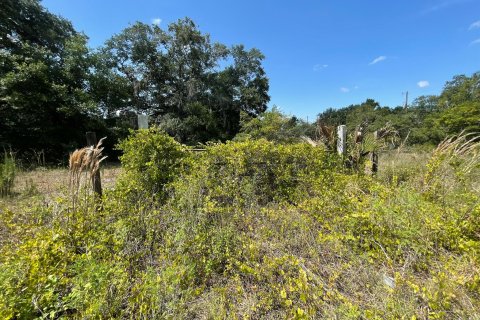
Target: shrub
{"x": 151, "y": 160}
{"x": 218, "y": 200}
{"x": 275, "y": 126}
{"x": 263, "y": 170}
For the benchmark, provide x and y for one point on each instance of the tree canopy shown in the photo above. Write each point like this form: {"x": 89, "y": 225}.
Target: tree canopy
{"x": 53, "y": 87}
{"x": 193, "y": 88}
{"x": 44, "y": 71}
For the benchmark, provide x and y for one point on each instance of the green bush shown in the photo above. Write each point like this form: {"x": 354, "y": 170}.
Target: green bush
{"x": 151, "y": 160}
{"x": 263, "y": 170}
{"x": 273, "y": 125}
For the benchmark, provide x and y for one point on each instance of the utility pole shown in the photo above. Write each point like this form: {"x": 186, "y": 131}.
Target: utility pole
{"x": 405, "y": 106}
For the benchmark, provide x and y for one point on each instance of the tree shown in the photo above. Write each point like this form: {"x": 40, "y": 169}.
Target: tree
{"x": 273, "y": 125}
{"x": 128, "y": 70}
{"x": 334, "y": 117}
{"x": 26, "y": 21}
{"x": 407, "y": 122}
{"x": 368, "y": 112}
{"x": 460, "y": 105}
{"x": 430, "y": 118}
{"x": 459, "y": 90}
{"x": 44, "y": 72}
{"x": 175, "y": 76}
{"x": 425, "y": 104}
{"x": 464, "y": 116}
{"x": 243, "y": 87}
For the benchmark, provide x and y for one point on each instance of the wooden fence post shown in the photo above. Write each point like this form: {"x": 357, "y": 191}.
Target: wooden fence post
{"x": 96, "y": 182}
{"x": 342, "y": 140}
{"x": 375, "y": 155}
{"x": 372, "y": 165}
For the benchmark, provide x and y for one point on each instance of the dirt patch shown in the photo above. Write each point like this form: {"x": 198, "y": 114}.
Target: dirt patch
{"x": 52, "y": 182}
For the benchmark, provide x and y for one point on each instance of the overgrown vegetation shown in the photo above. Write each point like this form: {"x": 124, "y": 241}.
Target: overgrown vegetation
{"x": 152, "y": 161}
{"x": 251, "y": 229}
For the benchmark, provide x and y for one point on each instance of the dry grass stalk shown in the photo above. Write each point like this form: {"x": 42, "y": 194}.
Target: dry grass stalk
{"x": 326, "y": 133}
{"x": 455, "y": 157}
{"x": 325, "y": 137}
{"x": 465, "y": 146}
{"x": 360, "y": 132}
{"x": 86, "y": 160}
{"x": 310, "y": 141}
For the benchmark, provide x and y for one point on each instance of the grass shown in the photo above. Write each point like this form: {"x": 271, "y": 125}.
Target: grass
{"x": 49, "y": 183}
{"x": 402, "y": 167}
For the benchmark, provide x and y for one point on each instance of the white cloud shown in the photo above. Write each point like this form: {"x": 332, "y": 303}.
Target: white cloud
{"x": 423, "y": 83}
{"x": 443, "y": 5}
{"x": 156, "y": 21}
{"x": 378, "y": 59}
{"x": 474, "y": 42}
{"x": 474, "y": 25}
{"x": 344, "y": 90}
{"x": 319, "y": 67}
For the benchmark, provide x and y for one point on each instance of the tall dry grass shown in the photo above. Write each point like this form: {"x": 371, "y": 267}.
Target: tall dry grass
{"x": 454, "y": 164}
{"x": 85, "y": 160}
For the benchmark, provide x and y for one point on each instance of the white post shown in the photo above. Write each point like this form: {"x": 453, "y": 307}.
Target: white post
{"x": 142, "y": 121}
{"x": 342, "y": 140}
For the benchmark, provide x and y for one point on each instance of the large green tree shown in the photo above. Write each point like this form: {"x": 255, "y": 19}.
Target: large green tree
{"x": 44, "y": 68}
{"x": 192, "y": 87}
{"x": 460, "y": 104}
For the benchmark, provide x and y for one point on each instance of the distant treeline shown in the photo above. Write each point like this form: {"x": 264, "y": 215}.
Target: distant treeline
{"x": 54, "y": 88}
{"x": 427, "y": 120}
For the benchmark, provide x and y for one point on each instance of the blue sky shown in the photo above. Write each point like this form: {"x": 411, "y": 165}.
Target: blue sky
{"x": 319, "y": 54}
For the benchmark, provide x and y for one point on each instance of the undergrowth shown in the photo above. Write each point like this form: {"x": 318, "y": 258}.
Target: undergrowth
{"x": 246, "y": 230}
